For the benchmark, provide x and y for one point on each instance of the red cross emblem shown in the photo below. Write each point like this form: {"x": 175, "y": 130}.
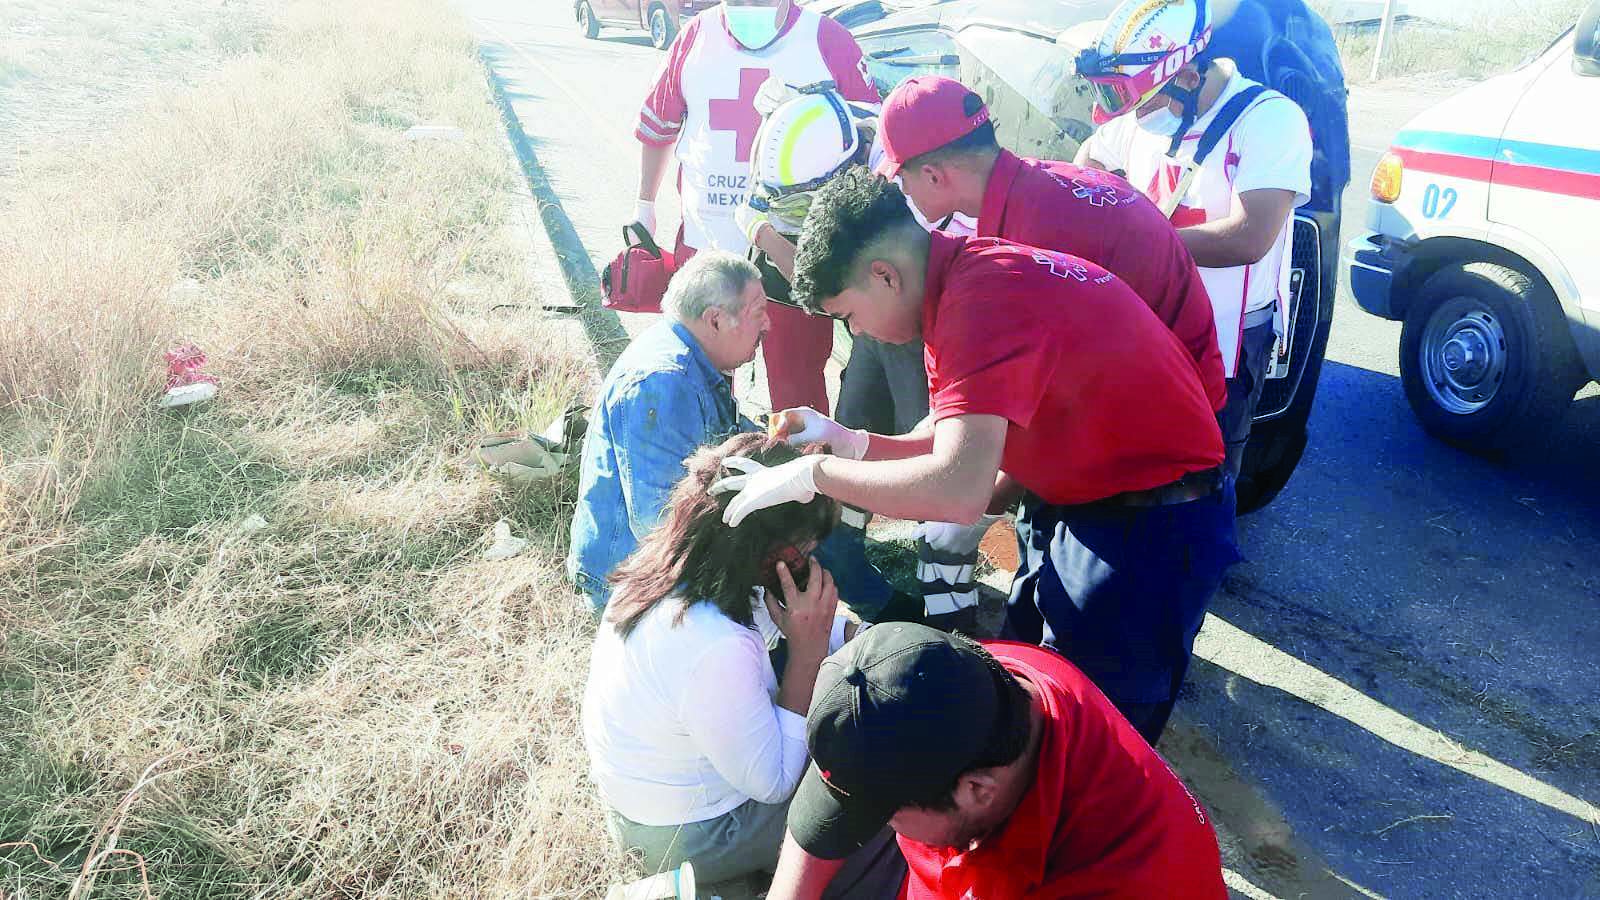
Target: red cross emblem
{"x": 739, "y": 115}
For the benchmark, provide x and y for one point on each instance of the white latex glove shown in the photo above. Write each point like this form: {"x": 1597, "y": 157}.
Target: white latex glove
{"x": 850, "y": 443}
{"x": 953, "y": 537}
{"x": 760, "y": 487}
{"x": 772, "y": 94}
{"x": 749, "y": 219}
{"x": 644, "y": 212}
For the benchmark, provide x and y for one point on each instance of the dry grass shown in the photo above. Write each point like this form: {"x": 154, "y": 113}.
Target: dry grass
{"x": 1494, "y": 40}
{"x": 343, "y": 701}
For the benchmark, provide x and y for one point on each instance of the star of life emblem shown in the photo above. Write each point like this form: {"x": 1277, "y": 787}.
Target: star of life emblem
{"x": 1061, "y": 267}
{"x": 1096, "y": 194}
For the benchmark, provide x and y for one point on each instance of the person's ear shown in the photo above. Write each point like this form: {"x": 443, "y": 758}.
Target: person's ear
{"x": 979, "y": 789}
{"x": 885, "y": 272}
{"x": 933, "y": 175}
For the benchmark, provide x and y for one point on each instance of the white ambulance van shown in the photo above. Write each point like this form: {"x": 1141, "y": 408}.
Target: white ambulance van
{"x": 1485, "y": 241}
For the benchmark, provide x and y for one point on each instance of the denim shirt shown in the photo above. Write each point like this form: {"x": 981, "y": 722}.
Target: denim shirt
{"x": 661, "y": 401}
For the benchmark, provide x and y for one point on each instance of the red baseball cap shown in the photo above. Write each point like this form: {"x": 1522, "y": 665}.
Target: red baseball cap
{"x": 924, "y": 113}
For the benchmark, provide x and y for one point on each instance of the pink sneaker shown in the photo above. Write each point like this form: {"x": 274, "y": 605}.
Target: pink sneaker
{"x": 186, "y": 384}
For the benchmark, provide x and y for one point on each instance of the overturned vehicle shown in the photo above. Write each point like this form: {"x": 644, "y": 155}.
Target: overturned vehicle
{"x": 1018, "y": 56}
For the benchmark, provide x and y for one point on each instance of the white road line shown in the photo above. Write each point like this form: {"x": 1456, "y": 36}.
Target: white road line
{"x": 1230, "y": 647}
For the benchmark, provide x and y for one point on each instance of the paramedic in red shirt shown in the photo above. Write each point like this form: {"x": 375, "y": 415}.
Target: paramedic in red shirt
{"x": 1002, "y": 770}
{"x": 1046, "y": 367}
{"x": 701, "y": 110}
{"x": 940, "y": 145}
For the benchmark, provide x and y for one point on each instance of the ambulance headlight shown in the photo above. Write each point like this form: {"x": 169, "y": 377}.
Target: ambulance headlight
{"x": 1386, "y": 178}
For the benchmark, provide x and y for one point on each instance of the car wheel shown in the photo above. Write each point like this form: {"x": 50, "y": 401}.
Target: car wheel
{"x": 661, "y": 30}
{"x": 1486, "y": 358}
{"x": 587, "y": 23}
{"x": 1270, "y": 458}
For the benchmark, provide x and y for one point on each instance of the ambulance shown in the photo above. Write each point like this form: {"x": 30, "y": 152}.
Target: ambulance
{"x": 1484, "y": 241}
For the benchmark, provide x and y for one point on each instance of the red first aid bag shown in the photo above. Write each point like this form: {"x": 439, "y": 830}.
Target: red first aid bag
{"x": 637, "y": 279}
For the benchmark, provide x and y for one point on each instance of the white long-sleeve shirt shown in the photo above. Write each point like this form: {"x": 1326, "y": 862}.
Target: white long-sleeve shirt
{"x": 681, "y": 720}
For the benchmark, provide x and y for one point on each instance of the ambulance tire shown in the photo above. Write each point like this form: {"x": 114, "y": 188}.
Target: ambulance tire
{"x": 1486, "y": 358}
{"x": 661, "y": 30}
{"x": 587, "y": 23}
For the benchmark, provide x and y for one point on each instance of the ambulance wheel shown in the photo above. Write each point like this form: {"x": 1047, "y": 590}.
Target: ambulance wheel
{"x": 587, "y": 23}
{"x": 1486, "y": 358}
{"x": 661, "y": 32}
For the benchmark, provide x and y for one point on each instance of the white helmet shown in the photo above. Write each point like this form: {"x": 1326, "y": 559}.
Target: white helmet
{"x": 1139, "y": 50}
{"x": 811, "y": 134}
{"x": 804, "y": 142}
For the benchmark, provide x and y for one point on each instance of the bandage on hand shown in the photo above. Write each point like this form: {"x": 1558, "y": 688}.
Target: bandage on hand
{"x": 783, "y": 423}
{"x": 850, "y": 443}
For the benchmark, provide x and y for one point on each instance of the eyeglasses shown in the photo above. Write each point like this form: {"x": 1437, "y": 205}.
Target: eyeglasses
{"x": 821, "y": 315}
{"x": 1115, "y": 93}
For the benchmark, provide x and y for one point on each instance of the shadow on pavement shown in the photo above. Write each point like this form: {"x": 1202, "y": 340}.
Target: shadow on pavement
{"x": 1405, "y": 662}
{"x": 637, "y": 40}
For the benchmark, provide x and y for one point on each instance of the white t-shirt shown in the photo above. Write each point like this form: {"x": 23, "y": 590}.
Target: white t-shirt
{"x": 1269, "y": 146}
{"x": 704, "y": 99}
{"x": 681, "y": 720}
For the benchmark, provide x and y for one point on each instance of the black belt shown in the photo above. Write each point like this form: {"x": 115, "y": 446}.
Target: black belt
{"x": 1192, "y": 486}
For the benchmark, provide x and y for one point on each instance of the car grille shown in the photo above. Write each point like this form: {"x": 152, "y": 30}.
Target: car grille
{"x": 1305, "y": 284}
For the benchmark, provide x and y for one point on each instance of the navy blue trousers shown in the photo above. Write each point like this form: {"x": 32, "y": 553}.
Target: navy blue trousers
{"x": 1121, "y": 591}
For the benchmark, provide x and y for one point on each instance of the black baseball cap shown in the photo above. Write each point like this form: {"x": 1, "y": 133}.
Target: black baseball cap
{"x": 897, "y": 715}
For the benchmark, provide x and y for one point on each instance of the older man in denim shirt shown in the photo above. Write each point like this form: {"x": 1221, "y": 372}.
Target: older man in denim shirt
{"x": 667, "y": 394}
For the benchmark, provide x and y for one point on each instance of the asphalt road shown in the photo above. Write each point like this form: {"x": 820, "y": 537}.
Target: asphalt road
{"x": 1403, "y": 672}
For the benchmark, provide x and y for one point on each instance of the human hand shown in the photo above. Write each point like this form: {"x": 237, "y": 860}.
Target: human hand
{"x": 644, "y": 213}
{"x": 760, "y": 487}
{"x": 806, "y": 616}
{"x": 772, "y": 94}
{"x": 953, "y": 537}
{"x": 804, "y": 425}
{"x": 749, "y": 219}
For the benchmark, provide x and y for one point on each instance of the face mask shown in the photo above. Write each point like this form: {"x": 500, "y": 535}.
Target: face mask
{"x": 1161, "y": 123}
{"x": 916, "y": 211}
{"x": 753, "y": 27}
{"x": 1164, "y": 122}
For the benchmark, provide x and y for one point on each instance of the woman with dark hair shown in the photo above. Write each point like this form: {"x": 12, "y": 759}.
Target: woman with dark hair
{"x": 695, "y": 742}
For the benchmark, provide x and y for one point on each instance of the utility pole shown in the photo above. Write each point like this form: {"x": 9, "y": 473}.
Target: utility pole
{"x": 1384, "y": 28}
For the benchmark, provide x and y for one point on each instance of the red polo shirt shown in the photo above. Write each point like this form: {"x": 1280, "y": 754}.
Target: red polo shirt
{"x": 1097, "y": 216}
{"x": 1100, "y": 396}
{"x": 1105, "y": 818}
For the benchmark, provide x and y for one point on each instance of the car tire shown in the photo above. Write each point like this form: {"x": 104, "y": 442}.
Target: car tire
{"x": 1486, "y": 358}
{"x": 661, "y": 30}
{"x": 1269, "y": 460}
{"x": 587, "y": 23}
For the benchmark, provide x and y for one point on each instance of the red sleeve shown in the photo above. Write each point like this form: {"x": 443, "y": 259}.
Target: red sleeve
{"x": 845, "y": 62}
{"x": 983, "y": 370}
{"x": 661, "y": 117}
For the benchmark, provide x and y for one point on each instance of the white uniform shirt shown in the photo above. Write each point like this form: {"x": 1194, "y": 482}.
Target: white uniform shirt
{"x": 1269, "y": 146}
{"x": 704, "y": 99}
{"x": 681, "y": 720}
